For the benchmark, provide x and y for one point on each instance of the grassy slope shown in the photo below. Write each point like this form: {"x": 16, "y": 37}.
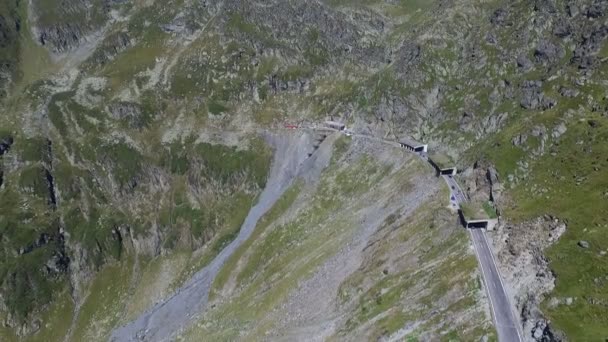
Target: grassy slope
{"x": 27, "y": 61}
{"x": 406, "y": 294}
{"x": 583, "y": 206}
{"x": 549, "y": 186}
{"x": 568, "y": 181}
{"x": 280, "y": 255}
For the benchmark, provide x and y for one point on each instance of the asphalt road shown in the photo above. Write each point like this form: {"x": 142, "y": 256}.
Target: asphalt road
{"x": 160, "y": 322}
{"x": 505, "y": 320}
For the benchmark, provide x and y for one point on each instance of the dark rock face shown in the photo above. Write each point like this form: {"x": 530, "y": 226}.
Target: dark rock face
{"x": 584, "y": 54}
{"x": 466, "y": 120}
{"x": 524, "y": 63}
{"x": 519, "y": 140}
{"x": 534, "y": 98}
{"x": 5, "y": 32}
{"x": 568, "y": 92}
{"x": 499, "y": 17}
{"x": 5, "y": 144}
{"x": 562, "y": 28}
{"x": 572, "y": 9}
{"x": 10, "y": 26}
{"x": 548, "y": 53}
{"x": 61, "y": 38}
{"x": 545, "y": 6}
{"x": 62, "y": 26}
{"x": 542, "y": 332}
{"x": 278, "y": 85}
{"x": 111, "y": 47}
{"x": 407, "y": 57}
{"x": 597, "y": 9}
{"x": 129, "y": 112}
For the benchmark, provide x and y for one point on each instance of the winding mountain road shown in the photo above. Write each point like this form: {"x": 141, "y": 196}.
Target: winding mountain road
{"x": 505, "y": 321}
{"x": 163, "y": 320}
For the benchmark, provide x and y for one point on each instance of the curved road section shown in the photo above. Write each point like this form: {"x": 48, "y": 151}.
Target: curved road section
{"x": 505, "y": 321}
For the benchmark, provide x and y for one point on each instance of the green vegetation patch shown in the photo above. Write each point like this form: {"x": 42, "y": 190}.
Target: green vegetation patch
{"x": 125, "y": 161}
{"x": 574, "y": 188}
{"x": 477, "y": 211}
{"x": 488, "y": 207}
{"x": 216, "y": 108}
{"x": 105, "y": 302}
{"x": 442, "y": 160}
{"x": 220, "y": 162}
{"x": 85, "y": 16}
{"x": 279, "y": 208}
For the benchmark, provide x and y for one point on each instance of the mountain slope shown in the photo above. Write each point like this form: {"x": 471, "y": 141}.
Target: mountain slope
{"x": 130, "y": 148}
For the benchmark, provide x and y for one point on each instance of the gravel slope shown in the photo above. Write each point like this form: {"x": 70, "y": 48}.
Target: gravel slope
{"x": 166, "y": 318}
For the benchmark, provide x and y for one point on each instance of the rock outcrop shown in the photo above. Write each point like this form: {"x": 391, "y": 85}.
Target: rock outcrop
{"x": 520, "y": 250}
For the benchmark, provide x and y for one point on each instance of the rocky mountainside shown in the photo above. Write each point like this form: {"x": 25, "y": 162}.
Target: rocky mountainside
{"x": 134, "y": 142}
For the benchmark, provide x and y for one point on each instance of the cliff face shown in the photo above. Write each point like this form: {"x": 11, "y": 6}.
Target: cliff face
{"x": 10, "y": 28}
{"x": 63, "y": 26}
{"x": 129, "y": 141}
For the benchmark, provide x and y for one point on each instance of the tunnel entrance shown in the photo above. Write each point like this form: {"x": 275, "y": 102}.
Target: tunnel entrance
{"x": 479, "y": 224}
{"x": 450, "y": 171}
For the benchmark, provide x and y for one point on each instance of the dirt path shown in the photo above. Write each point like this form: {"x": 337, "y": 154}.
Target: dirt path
{"x": 166, "y": 318}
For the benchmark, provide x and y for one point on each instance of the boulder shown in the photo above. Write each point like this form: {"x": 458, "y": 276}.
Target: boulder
{"x": 568, "y": 92}
{"x": 559, "y": 130}
{"x": 572, "y": 8}
{"x": 492, "y": 175}
{"x": 61, "y": 38}
{"x": 466, "y": 120}
{"x": 562, "y": 28}
{"x": 519, "y": 140}
{"x": 548, "y": 52}
{"x": 547, "y": 103}
{"x": 531, "y": 94}
{"x": 499, "y": 17}
{"x": 542, "y": 332}
{"x": 128, "y": 111}
{"x": 583, "y": 244}
{"x": 597, "y": 9}
{"x": 5, "y": 144}
{"x": 588, "y": 47}
{"x": 524, "y": 63}
{"x": 545, "y": 6}
{"x": 491, "y": 38}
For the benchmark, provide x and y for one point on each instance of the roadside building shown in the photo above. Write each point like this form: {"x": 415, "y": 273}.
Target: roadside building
{"x": 414, "y": 146}
{"x": 335, "y": 125}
